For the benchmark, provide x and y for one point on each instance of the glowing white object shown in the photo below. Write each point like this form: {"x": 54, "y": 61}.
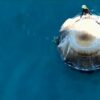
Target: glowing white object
{"x": 75, "y": 28}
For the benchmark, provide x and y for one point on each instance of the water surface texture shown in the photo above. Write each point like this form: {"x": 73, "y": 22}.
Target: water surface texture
{"x": 30, "y": 65}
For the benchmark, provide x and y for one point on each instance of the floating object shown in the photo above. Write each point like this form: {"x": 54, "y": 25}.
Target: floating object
{"x": 79, "y": 42}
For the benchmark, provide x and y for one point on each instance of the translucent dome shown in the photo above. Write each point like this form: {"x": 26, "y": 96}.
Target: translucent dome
{"x": 79, "y": 42}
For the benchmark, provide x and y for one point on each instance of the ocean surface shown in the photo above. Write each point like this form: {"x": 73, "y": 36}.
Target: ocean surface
{"x": 30, "y": 65}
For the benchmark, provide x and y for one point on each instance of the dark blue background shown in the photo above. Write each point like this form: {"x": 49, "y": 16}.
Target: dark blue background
{"x": 30, "y": 65}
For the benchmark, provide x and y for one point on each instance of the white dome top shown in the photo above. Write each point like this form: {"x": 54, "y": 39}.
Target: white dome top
{"x": 84, "y": 7}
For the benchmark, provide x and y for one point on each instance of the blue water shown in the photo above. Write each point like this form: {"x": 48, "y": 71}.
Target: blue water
{"x": 30, "y": 65}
